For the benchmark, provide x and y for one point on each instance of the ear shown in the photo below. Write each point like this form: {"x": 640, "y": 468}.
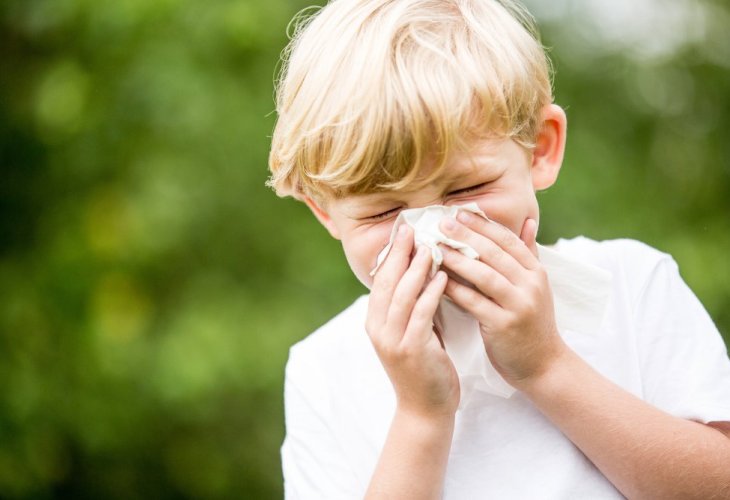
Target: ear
{"x": 547, "y": 157}
{"x": 322, "y": 216}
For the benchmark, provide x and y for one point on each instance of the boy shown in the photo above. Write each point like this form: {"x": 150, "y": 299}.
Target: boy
{"x": 389, "y": 105}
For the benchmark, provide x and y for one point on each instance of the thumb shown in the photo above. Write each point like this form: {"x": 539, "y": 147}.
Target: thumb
{"x": 529, "y": 235}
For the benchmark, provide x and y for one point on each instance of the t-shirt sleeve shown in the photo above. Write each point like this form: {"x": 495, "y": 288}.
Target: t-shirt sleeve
{"x": 684, "y": 361}
{"x": 313, "y": 463}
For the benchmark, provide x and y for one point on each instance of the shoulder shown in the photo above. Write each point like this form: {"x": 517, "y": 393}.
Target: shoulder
{"x": 630, "y": 261}
{"x": 334, "y": 373}
{"x": 341, "y": 337}
{"x": 611, "y": 253}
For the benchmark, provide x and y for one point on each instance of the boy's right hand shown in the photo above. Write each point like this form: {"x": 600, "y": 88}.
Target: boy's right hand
{"x": 400, "y": 326}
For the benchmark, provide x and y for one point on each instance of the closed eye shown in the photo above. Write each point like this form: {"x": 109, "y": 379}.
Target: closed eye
{"x": 468, "y": 189}
{"x": 383, "y": 215}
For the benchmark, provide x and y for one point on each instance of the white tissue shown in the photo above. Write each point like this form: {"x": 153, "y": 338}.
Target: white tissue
{"x": 425, "y": 224}
{"x": 580, "y": 295}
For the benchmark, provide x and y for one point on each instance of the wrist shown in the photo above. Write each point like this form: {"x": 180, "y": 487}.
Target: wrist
{"x": 414, "y": 457}
{"x": 561, "y": 371}
{"x": 425, "y": 422}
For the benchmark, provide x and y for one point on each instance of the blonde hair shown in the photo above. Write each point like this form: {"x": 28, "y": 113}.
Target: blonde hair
{"x": 370, "y": 91}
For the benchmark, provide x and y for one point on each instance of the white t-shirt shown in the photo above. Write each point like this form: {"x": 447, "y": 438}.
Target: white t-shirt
{"x": 656, "y": 341}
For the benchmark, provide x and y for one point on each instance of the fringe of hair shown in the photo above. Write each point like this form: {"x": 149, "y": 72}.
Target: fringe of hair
{"x": 376, "y": 95}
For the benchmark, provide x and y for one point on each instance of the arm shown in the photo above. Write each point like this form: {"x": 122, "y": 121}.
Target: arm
{"x": 413, "y": 461}
{"x": 643, "y": 451}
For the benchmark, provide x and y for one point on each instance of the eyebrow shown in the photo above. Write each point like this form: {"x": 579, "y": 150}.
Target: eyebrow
{"x": 484, "y": 163}
{"x": 371, "y": 201}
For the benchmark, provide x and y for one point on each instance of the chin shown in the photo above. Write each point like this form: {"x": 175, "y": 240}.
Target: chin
{"x": 367, "y": 280}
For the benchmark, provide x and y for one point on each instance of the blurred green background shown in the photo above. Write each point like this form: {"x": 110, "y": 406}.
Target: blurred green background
{"x": 151, "y": 284}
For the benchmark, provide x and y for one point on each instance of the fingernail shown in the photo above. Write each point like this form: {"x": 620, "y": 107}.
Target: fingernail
{"x": 401, "y": 233}
{"x": 449, "y": 223}
{"x": 464, "y": 216}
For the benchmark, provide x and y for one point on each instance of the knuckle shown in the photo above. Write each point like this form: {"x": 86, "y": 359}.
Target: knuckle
{"x": 418, "y": 309}
{"x": 511, "y": 320}
{"x": 369, "y": 327}
{"x": 375, "y": 337}
{"x": 537, "y": 285}
{"x": 529, "y": 305}
{"x": 531, "y": 289}
{"x": 372, "y": 327}
{"x": 400, "y": 251}
{"x": 487, "y": 277}
{"x": 397, "y": 302}
{"x": 384, "y": 282}
{"x": 464, "y": 233}
{"x": 396, "y": 352}
{"x": 386, "y": 350}
{"x": 487, "y": 274}
{"x": 507, "y": 239}
{"x": 532, "y": 307}
{"x": 471, "y": 299}
{"x": 486, "y": 329}
{"x": 493, "y": 254}
{"x": 406, "y": 352}
{"x": 541, "y": 273}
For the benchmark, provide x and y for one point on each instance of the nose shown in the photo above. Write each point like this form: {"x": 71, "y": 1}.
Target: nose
{"x": 427, "y": 197}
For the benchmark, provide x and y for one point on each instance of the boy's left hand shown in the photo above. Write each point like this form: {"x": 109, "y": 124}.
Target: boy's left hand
{"x": 510, "y": 297}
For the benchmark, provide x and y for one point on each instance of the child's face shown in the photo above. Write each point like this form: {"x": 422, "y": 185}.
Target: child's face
{"x": 497, "y": 178}
{"x": 498, "y": 175}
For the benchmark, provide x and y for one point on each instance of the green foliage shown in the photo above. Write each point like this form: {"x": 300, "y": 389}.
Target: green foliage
{"x": 151, "y": 284}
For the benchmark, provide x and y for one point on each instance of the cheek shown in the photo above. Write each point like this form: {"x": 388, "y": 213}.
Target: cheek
{"x": 510, "y": 209}
{"x": 359, "y": 256}
{"x": 362, "y": 251}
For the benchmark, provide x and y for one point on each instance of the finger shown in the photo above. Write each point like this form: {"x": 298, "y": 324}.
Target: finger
{"x": 529, "y": 235}
{"x": 388, "y": 276}
{"x": 479, "y": 306}
{"x": 502, "y": 236}
{"x": 489, "y": 252}
{"x": 420, "y": 326}
{"x": 408, "y": 289}
{"x": 399, "y": 254}
{"x": 487, "y": 280}
{"x": 439, "y": 335}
